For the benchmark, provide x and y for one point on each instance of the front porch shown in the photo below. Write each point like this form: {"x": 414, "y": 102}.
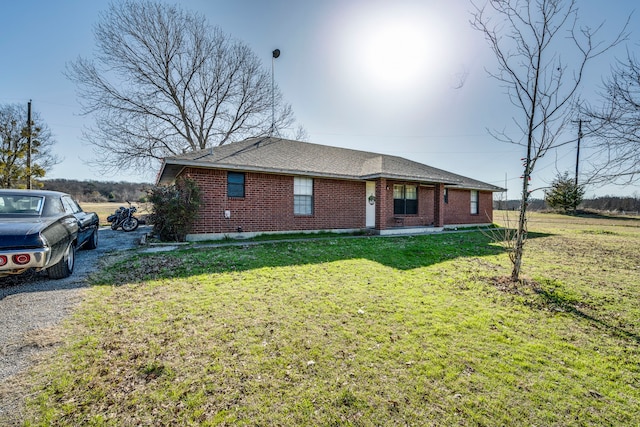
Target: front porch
{"x": 426, "y": 215}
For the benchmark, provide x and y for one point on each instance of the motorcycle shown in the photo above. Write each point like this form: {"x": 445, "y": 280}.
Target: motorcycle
{"x": 123, "y": 217}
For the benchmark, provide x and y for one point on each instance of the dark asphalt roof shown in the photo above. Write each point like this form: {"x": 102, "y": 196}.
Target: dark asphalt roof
{"x": 283, "y": 156}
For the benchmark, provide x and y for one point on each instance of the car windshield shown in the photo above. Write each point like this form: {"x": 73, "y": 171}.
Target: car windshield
{"x": 21, "y": 204}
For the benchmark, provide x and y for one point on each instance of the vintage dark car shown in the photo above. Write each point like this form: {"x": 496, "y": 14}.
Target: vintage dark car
{"x": 41, "y": 230}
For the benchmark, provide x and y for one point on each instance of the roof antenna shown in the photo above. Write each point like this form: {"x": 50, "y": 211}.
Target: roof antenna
{"x": 276, "y": 54}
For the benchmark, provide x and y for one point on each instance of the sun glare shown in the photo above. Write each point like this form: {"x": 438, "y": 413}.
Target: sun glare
{"x": 398, "y": 49}
{"x": 395, "y": 55}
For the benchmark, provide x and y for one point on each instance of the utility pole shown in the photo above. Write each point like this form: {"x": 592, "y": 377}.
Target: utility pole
{"x": 580, "y": 121}
{"x": 506, "y": 193}
{"x": 29, "y": 145}
{"x": 275, "y": 54}
{"x": 578, "y": 150}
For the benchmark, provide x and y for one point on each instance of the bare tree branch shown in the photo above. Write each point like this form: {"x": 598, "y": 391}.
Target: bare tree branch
{"x": 527, "y": 38}
{"x": 164, "y": 82}
{"x": 614, "y": 128}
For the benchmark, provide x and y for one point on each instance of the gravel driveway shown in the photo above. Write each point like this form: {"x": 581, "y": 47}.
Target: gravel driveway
{"x": 32, "y": 306}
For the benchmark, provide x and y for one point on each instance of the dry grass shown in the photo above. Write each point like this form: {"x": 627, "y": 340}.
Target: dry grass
{"x": 105, "y": 209}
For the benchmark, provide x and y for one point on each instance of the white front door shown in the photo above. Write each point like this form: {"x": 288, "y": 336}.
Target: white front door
{"x": 370, "y": 201}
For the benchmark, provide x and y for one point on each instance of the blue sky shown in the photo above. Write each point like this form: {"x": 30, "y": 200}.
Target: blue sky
{"x": 374, "y": 75}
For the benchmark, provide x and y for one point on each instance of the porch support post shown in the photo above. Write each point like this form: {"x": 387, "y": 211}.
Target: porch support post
{"x": 438, "y": 206}
{"x": 381, "y": 203}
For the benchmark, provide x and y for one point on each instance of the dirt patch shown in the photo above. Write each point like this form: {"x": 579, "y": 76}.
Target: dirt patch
{"x": 505, "y": 284}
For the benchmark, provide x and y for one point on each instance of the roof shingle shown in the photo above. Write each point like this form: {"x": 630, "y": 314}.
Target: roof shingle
{"x": 283, "y": 156}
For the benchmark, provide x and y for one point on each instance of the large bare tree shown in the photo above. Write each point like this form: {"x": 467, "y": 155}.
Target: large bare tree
{"x": 14, "y": 147}
{"x": 541, "y": 53}
{"x": 613, "y": 129}
{"x": 164, "y": 82}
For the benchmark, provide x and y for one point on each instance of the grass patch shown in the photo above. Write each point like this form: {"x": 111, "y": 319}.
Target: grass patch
{"x": 363, "y": 332}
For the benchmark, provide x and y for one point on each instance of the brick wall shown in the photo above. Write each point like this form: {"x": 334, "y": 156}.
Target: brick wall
{"x": 268, "y": 204}
{"x": 338, "y": 204}
{"x": 458, "y": 208}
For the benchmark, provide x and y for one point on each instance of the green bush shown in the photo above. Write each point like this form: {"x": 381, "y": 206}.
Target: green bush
{"x": 175, "y": 207}
{"x": 565, "y": 194}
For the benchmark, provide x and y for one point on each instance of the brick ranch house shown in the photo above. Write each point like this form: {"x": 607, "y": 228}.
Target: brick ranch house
{"x": 273, "y": 185}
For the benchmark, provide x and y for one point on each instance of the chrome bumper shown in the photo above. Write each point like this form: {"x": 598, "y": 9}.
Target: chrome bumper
{"x": 39, "y": 258}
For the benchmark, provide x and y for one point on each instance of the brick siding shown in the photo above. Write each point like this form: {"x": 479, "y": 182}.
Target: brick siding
{"x": 458, "y": 208}
{"x": 268, "y": 204}
{"x": 337, "y": 204}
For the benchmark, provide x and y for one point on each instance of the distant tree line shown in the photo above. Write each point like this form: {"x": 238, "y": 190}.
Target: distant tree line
{"x": 609, "y": 203}
{"x": 514, "y": 205}
{"x": 604, "y": 203}
{"x": 99, "y": 191}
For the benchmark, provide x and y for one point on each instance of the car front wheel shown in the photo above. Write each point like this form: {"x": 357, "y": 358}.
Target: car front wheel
{"x": 64, "y": 267}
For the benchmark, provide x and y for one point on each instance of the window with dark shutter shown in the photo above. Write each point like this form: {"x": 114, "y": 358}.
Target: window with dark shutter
{"x": 235, "y": 184}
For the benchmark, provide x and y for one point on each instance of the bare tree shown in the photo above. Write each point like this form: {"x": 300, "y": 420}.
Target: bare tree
{"x": 14, "y": 133}
{"x": 164, "y": 82}
{"x": 529, "y": 39}
{"x": 614, "y": 128}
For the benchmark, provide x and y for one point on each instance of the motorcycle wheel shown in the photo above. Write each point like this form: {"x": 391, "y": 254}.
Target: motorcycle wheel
{"x": 114, "y": 225}
{"x": 130, "y": 224}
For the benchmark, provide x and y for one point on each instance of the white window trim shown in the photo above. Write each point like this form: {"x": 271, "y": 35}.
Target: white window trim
{"x": 303, "y": 190}
{"x": 475, "y": 202}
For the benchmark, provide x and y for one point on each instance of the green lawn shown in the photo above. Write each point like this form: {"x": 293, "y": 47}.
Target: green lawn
{"x": 364, "y": 332}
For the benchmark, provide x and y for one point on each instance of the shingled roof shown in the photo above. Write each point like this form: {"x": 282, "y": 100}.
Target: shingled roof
{"x": 288, "y": 157}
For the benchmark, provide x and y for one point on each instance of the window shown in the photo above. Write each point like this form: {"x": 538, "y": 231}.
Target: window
{"x": 405, "y": 199}
{"x": 302, "y": 196}
{"x": 21, "y": 204}
{"x": 70, "y": 206}
{"x": 474, "y": 202}
{"x": 446, "y": 195}
{"x": 235, "y": 184}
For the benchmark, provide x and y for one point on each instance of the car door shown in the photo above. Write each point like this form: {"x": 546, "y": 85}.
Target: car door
{"x": 85, "y": 220}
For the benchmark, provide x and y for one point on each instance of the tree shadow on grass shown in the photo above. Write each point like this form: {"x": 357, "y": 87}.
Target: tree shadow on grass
{"x": 401, "y": 253}
{"x": 556, "y": 302}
